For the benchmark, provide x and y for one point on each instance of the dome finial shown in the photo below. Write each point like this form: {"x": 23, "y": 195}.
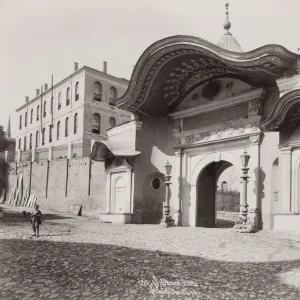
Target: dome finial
{"x": 227, "y": 24}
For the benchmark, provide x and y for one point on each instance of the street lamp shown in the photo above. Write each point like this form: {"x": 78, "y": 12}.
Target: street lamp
{"x": 243, "y": 223}
{"x": 167, "y": 220}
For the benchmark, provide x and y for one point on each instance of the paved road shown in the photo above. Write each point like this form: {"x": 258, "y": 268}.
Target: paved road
{"x": 84, "y": 259}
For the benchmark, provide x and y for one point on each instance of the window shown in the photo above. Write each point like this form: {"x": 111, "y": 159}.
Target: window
{"x": 20, "y": 125}
{"x": 59, "y": 101}
{"x": 67, "y": 127}
{"x": 97, "y": 91}
{"x": 43, "y": 136}
{"x": 20, "y": 144}
{"x": 50, "y": 133}
{"x": 38, "y": 113}
{"x": 112, "y": 94}
{"x": 96, "y": 123}
{"x": 25, "y": 119}
{"x": 44, "y": 109}
{"x": 51, "y": 105}
{"x": 30, "y": 141}
{"x": 31, "y": 116}
{"x": 25, "y": 143}
{"x": 68, "y": 96}
{"x": 58, "y": 130}
{"x": 112, "y": 122}
{"x": 77, "y": 91}
{"x": 75, "y": 123}
{"x": 37, "y": 139}
{"x": 156, "y": 183}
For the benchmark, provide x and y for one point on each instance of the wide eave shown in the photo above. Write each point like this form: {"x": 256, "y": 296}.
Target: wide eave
{"x": 171, "y": 68}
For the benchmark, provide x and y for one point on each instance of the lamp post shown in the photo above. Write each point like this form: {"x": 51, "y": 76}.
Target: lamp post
{"x": 167, "y": 220}
{"x": 243, "y": 223}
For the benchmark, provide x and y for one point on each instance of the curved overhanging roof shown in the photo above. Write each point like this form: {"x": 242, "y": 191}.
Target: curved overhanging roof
{"x": 171, "y": 68}
{"x": 106, "y": 149}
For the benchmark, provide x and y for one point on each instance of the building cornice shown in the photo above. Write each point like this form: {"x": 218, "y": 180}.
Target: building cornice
{"x": 204, "y": 108}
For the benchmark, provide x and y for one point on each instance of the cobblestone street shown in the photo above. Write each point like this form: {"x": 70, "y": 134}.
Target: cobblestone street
{"x": 81, "y": 258}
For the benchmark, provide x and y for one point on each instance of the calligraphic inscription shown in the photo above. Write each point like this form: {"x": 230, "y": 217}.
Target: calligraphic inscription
{"x": 220, "y": 133}
{"x": 212, "y": 118}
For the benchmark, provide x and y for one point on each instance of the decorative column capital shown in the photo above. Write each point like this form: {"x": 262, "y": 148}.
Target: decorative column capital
{"x": 178, "y": 152}
{"x": 256, "y": 139}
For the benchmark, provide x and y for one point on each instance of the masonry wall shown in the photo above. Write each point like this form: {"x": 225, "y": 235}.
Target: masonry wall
{"x": 155, "y": 143}
{"x": 59, "y": 184}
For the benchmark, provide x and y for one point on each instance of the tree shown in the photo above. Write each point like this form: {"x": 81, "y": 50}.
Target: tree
{"x": 4, "y": 167}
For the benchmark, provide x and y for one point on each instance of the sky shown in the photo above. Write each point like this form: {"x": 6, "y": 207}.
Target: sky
{"x": 44, "y": 37}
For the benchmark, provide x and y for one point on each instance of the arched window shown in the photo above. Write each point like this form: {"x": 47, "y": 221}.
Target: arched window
{"x": 75, "y": 123}
{"x": 43, "y": 136}
{"x": 51, "y": 105}
{"x": 113, "y": 94}
{"x": 67, "y": 127}
{"x": 30, "y": 141}
{"x": 20, "y": 123}
{"x": 59, "y": 101}
{"x": 25, "y": 143}
{"x": 31, "y": 116}
{"x": 37, "y": 139}
{"x": 68, "y": 96}
{"x": 20, "y": 144}
{"x": 77, "y": 91}
{"x": 38, "y": 113}
{"x": 97, "y": 91}
{"x": 58, "y": 130}
{"x": 26, "y": 119}
{"x": 44, "y": 109}
{"x": 96, "y": 123}
{"x": 112, "y": 122}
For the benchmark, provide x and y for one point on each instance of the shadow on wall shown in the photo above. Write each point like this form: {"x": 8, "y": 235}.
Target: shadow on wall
{"x": 154, "y": 190}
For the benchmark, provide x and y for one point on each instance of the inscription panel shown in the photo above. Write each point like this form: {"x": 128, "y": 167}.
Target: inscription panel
{"x": 220, "y": 116}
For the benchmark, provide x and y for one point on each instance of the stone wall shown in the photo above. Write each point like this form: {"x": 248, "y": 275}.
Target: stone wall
{"x": 63, "y": 182}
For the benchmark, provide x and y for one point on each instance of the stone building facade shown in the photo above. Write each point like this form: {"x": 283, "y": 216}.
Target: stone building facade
{"x": 71, "y": 114}
{"x": 199, "y": 106}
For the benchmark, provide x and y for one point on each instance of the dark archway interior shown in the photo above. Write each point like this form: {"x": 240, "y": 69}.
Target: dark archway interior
{"x": 207, "y": 193}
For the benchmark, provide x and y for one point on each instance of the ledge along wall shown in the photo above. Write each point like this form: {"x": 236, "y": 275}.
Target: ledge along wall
{"x": 57, "y": 184}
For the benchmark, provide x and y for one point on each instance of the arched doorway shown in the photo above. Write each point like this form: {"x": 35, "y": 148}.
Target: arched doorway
{"x": 218, "y": 196}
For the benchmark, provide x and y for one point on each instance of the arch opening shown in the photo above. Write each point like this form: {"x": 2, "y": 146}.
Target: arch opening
{"x": 218, "y": 195}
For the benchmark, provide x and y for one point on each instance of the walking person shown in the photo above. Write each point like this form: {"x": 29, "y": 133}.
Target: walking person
{"x": 36, "y": 220}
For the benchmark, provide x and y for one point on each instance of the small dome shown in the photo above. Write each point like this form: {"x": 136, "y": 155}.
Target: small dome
{"x": 228, "y": 42}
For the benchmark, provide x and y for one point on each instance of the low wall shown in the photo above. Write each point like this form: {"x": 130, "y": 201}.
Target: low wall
{"x": 61, "y": 183}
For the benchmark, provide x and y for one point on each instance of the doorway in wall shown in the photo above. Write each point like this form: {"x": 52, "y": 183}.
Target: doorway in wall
{"x": 218, "y": 196}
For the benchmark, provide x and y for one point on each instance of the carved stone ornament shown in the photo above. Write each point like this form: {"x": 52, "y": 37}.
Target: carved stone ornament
{"x": 177, "y": 126}
{"x": 230, "y": 131}
{"x": 255, "y": 127}
{"x": 255, "y": 139}
{"x": 177, "y": 141}
{"x": 241, "y": 129}
{"x": 189, "y": 139}
{"x": 254, "y": 108}
{"x": 220, "y": 133}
